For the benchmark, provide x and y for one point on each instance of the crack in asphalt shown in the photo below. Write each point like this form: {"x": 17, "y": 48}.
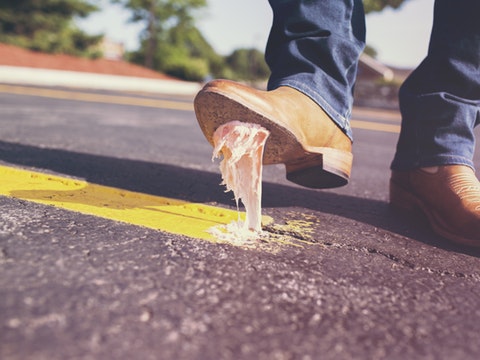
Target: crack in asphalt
{"x": 405, "y": 263}
{"x": 297, "y": 235}
{"x": 307, "y": 238}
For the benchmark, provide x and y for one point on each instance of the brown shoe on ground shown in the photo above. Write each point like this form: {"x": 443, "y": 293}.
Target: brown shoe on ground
{"x": 315, "y": 151}
{"x": 450, "y": 198}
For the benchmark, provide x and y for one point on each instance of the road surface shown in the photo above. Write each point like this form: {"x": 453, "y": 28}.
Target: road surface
{"x": 84, "y": 275}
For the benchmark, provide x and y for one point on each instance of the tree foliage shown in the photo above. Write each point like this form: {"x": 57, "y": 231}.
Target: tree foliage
{"x": 159, "y": 18}
{"x": 379, "y": 5}
{"x": 370, "y": 51}
{"x": 47, "y": 25}
{"x": 248, "y": 64}
{"x": 182, "y": 52}
{"x": 171, "y": 43}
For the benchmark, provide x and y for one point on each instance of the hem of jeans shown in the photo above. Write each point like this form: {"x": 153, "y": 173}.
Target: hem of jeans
{"x": 440, "y": 160}
{"x": 342, "y": 121}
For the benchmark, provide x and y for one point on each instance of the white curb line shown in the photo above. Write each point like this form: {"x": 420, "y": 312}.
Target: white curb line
{"x": 45, "y": 77}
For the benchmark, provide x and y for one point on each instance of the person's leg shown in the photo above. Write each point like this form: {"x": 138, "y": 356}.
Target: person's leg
{"x": 433, "y": 169}
{"x": 313, "y": 52}
{"x": 314, "y": 47}
{"x": 440, "y": 101}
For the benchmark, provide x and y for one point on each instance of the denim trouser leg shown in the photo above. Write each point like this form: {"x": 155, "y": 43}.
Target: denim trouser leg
{"x": 440, "y": 101}
{"x": 314, "y": 47}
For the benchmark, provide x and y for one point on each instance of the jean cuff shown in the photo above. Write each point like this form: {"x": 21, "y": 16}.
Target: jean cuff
{"x": 439, "y": 160}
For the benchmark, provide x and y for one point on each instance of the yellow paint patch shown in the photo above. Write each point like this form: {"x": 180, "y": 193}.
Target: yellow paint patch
{"x": 159, "y": 213}
{"x": 300, "y": 230}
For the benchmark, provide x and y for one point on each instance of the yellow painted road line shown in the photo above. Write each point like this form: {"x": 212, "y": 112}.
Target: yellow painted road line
{"x": 161, "y": 104}
{"x": 375, "y": 126}
{"x": 100, "y": 98}
{"x": 380, "y": 114}
{"x": 155, "y": 212}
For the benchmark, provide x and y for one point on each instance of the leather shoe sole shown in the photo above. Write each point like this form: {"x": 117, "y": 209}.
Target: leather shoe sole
{"x": 309, "y": 166}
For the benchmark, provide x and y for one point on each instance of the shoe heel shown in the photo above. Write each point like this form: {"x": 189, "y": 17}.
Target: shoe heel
{"x": 327, "y": 168}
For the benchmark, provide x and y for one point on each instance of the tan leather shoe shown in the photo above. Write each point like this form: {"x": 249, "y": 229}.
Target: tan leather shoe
{"x": 450, "y": 198}
{"x": 315, "y": 151}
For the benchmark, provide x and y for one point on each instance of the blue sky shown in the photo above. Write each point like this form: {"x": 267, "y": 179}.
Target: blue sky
{"x": 399, "y": 36}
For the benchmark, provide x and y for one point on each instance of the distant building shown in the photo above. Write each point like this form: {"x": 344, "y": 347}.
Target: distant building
{"x": 112, "y": 50}
{"x": 377, "y": 84}
{"x": 372, "y": 69}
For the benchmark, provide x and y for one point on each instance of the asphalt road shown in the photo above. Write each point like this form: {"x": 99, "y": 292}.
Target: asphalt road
{"x": 346, "y": 278}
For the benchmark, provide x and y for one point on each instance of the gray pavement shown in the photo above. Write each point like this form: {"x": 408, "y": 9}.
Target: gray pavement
{"x": 365, "y": 283}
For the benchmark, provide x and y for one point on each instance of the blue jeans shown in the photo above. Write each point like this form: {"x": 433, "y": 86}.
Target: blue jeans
{"x": 314, "y": 47}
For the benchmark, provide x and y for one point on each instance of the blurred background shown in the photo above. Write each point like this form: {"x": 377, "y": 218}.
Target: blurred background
{"x": 196, "y": 40}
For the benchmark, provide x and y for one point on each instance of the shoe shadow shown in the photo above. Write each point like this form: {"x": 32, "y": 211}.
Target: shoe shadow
{"x": 192, "y": 185}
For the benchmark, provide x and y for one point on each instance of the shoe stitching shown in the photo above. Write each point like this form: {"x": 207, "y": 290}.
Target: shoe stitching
{"x": 466, "y": 188}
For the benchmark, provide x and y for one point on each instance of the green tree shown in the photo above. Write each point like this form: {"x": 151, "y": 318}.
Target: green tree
{"x": 370, "y": 51}
{"x": 159, "y": 16}
{"x": 189, "y": 47}
{"x": 379, "y": 5}
{"x": 47, "y": 25}
{"x": 248, "y": 64}
{"x": 184, "y": 53}
{"x": 171, "y": 43}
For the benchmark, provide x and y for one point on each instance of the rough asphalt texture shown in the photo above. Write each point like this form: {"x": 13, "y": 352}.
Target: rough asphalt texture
{"x": 363, "y": 283}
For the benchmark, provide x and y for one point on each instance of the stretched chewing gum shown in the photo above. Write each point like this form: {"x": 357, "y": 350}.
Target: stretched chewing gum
{"x": 242, "y": 145}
